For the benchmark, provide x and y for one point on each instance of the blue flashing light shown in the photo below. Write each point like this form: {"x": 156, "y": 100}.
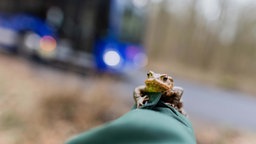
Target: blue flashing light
{"x": 114, "y": 56}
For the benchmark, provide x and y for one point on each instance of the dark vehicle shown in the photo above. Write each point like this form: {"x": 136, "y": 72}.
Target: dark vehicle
{"x": 102, "y": 35}
{"x": 26, "y": 34}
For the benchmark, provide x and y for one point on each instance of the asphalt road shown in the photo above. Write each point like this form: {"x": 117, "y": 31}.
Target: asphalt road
{"x": 225, "y": 107}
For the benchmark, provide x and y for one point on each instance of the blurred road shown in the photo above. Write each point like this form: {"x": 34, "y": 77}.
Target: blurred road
{"x": 225, "y": 107}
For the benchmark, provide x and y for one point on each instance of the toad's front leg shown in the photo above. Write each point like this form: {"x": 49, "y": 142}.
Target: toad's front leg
{"x": 177, "y": 91}
{"x": 140, "y": 100}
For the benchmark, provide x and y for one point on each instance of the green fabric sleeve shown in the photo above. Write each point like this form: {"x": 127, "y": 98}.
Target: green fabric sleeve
{"x": 155, "y": 123}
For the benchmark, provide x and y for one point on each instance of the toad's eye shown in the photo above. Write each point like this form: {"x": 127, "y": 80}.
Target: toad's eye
{"x": 149, "y": 74}
{"x": 164, "y": 78}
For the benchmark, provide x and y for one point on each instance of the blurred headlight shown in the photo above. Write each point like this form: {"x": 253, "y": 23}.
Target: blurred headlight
{"x": 48, "y": 43}
{"x": 31, "y": 41}
{"x": 48, "y": 47}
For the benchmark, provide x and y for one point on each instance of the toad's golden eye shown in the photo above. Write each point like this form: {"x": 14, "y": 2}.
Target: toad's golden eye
{"x": 149, "y": 74}
{"x": 164, "y": 78}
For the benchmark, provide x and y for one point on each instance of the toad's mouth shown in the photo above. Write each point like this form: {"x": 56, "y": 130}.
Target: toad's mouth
{"x": 154, "y": 85}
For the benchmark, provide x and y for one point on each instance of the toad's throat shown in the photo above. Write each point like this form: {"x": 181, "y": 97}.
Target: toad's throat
{"x": 156, "y": 86}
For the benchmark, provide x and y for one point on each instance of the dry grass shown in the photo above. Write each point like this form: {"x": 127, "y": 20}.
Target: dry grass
{"x": 212, "y": 134}
{"x": 52, "y": 116}
{"x": 47, "y": 107}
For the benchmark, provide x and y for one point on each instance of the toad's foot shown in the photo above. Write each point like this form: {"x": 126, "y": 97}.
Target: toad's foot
{"x": 140, "y": 101}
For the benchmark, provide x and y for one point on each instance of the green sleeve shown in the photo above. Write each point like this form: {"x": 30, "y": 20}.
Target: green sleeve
{"x": 159, "y": 124}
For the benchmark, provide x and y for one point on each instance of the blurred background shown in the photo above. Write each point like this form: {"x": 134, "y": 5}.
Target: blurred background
{"x": 67, "y": 66}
